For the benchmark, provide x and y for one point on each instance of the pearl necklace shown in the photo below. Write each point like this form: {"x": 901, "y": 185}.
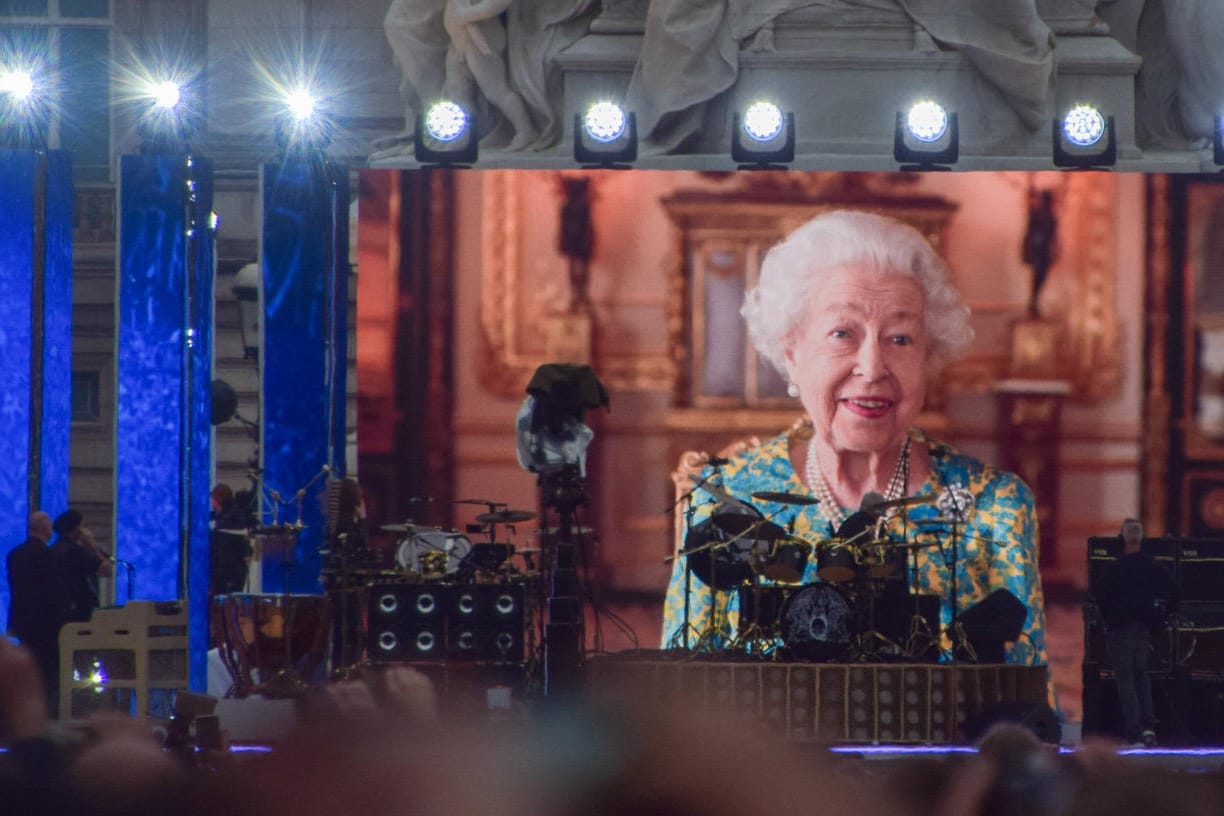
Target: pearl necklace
{"x": 824, "y": 495}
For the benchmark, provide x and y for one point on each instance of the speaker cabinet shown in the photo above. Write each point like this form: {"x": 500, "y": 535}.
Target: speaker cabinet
{"x": 485, "y": 622}
{"x": 407, "y": 622}
{"x": 476, "y": 622}
{"x": 1189, "y": 706}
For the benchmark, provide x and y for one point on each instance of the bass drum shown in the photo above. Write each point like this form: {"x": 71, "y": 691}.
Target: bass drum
{"x": 818, "y": 623}
{"x": 442, "y": 551}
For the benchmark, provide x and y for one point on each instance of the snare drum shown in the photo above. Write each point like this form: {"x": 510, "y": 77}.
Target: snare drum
{"x": 818, "y": 623}
{"x": 265, "y": 639}
{"x": 445, "y": 551}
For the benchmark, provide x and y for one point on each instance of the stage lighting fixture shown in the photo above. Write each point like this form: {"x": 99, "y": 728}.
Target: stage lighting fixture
{"x": 445, "y": 134}
{"x": 762, "y": 137}
{"x": 605, "y": 137}
{"x": 166, "y": 95}
{"x": 17, "y": 84}
{"x": 170, "y": 119}
{"x": 302, "y": 127}
{"x": 300, "y": 104}
{"x": 926, "y": 137}
{"x": 1084, "y": 138}
{"x": 25, "y": 116}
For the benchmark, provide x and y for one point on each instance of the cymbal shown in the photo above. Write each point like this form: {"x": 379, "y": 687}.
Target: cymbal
{"x": 242, "y": 533}
{"x": 505, "y": 517}
{"x": 397, "y": 528}
{"x": 481, "y": 502}
{"x": 784, "y": 498}
{"x": 906, "y": 502}
{"x": 526, "y": 550}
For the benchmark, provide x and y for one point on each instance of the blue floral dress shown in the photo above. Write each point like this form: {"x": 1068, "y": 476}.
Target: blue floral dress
{"x": 995, "y": 546}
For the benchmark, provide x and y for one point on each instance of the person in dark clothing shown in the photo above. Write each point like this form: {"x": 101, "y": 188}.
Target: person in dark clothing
{"x": 38, "y": 604}
{"x": 80, "y": 562}
{"x": 1135, "y": 594}
{"x": 230, "y": 550}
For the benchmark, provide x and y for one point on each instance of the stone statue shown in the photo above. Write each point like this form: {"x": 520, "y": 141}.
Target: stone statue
{"x": 538, "y": 31}
{"x": 577, "y": 239}
{"x": 690, "y": 52}
{"x": 1040, "y": 249}
{"x": 477, "y": 57}
{"x": 1182, "y": 76}
{"x": 419, "y": 43}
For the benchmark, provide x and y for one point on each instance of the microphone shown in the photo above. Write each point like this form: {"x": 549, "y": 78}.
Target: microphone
{"x": 717, "y": 461}
{"x": 872, "y": 504}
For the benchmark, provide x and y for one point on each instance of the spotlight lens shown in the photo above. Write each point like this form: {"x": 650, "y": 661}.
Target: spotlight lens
{"x": 927, "y": 121}
{"x": 18, "y": 84}
{"x": 605, "y": 122}
{"x": 301, "y": 104}
{"x": 166, "y": 95}
{"x": 1083, "y": 126}
{"x": 763, "y": 121}
{"x": 446, "y": 121}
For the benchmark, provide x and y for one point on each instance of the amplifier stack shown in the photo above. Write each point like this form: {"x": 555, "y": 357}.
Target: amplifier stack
{"x": 427, "y": 622}
{"x": 1187, "y": 662}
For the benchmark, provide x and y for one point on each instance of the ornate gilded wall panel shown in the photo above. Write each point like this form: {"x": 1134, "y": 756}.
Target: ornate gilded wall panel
{"x": 525, "y": 323}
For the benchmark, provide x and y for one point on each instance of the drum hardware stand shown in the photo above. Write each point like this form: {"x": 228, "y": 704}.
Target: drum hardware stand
{"x": 921, "y": 638}
{"x": 755, "y": 636}
{"x": 689, "y": 511}
{"x": 707, "y": 637}
{"x": 352, "y": 643}
{"x": 873, "y": 643}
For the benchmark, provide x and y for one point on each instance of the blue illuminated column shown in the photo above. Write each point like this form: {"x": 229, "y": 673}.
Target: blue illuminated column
{"x": 35, "y": 340}
{"x": 305, "y": 302}
{"x": 164, "y": 353}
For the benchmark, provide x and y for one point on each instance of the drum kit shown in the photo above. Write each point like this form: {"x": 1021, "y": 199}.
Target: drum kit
{"x": 275, "y": 644}
{"x": 437, "y": 554}
{"x": 861, "y": 607}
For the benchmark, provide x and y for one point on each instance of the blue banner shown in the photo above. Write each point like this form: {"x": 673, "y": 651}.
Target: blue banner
{"x": 164, "y": 361}
{"x": 35, "y": 340}
{"x": 57, "y": 335}
{"x": 305, "y": 300}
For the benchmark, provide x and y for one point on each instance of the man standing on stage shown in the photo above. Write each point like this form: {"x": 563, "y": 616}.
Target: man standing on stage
{"x": 80, "y": 562}
{"x": 1134, "y": 595}
{"x": 38, "y": 603}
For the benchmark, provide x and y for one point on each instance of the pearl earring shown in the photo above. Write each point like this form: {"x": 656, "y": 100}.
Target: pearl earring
{"x": 792, "y": 390}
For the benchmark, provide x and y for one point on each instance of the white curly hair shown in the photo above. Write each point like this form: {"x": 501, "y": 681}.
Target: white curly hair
{"x": 792, "y": 270}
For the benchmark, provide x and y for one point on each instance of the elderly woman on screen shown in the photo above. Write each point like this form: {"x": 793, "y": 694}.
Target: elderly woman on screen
{"x": 857, "y": 311}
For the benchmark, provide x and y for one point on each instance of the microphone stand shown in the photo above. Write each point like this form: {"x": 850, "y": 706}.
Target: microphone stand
{"x": 131, "y": 577}
{"x": 689, "y": 512}
{"x": 688, "y": 571}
